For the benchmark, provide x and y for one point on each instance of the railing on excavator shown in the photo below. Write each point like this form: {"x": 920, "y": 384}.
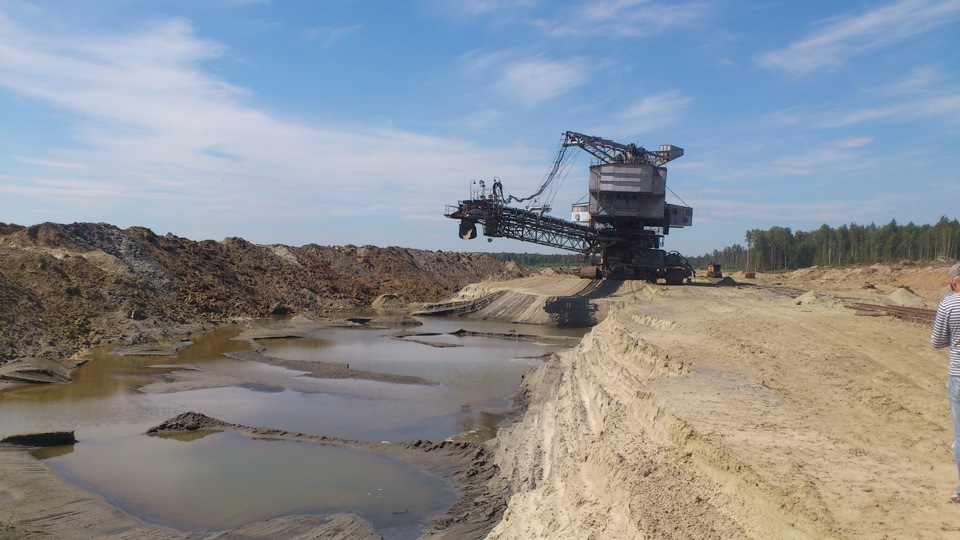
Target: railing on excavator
{"x": 501, "y": 221}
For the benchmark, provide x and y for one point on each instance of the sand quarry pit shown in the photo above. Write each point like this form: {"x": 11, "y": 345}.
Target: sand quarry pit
{"x": 711, "y": 411}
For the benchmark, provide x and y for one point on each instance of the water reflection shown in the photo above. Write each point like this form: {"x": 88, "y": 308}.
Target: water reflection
{"x": 103, "y": 398}
{"x": 216, "y": 481}
{"x": 225, "y": 480}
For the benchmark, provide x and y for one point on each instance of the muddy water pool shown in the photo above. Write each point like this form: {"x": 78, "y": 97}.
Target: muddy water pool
{"x": 225, "y": 480}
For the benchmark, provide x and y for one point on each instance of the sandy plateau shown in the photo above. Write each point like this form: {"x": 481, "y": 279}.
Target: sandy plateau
{"x": 746, "y": 408}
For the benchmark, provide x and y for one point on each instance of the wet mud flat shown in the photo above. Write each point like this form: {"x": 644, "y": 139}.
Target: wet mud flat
{"x": 68, "y": 511}
{"x": 464, "y": 463}
{"x": 468, "y": 465}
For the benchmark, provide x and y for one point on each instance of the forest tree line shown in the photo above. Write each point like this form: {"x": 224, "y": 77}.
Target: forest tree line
{"x": 538, "y": 260}
{"x": 780, "y": 248}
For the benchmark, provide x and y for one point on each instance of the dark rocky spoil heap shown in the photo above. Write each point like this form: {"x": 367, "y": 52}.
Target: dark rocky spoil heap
{"x": 66, "y": 287}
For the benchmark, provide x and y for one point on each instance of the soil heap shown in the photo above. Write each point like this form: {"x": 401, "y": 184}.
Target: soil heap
{"x": 64, "y": 288}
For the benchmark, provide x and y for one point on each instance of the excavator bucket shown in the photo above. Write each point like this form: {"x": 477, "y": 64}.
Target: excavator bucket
{"x": 591, "y": 272}
{"x": 468, "y": 230}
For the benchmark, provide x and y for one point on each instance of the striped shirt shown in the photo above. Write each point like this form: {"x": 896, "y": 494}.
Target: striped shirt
{"x": 946, "y": 330}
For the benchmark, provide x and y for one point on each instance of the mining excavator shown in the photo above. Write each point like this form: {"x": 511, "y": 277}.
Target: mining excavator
{"x": 618, "y": 232}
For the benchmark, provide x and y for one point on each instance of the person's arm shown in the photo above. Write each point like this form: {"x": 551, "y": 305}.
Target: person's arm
{"x": 940, "y": 337}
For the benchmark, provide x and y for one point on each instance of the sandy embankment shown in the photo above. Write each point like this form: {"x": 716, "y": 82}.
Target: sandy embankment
{"x": 734, "y": 412}
{"x": 554, "y": 300}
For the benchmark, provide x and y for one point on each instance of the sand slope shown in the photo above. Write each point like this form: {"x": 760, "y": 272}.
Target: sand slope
{"x": 733, "y": 412}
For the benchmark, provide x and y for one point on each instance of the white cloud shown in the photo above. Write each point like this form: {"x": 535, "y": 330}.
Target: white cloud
{"x": 923, "y": 94}
{"x": 479, "y": 61}
{"x": 238, "y": 3}
{"x": 657, "y": 110}
{"x": 533, "y": 80}
{"x": 620, "y": 18}
{"x": 854, "y": 142}
{"x": 920, "y": 79}
{"x": 479, "y": 120}
{"x": 476, "y": 8}
{"x": 527, "y": 80}
{"x": 839, "y": 156}
{"x": 151, "y": 123}
{"x": 649, "y": 114}
{"x": 823, "y": 211}
{"x": 47, "y": 163}
{"x": 943, "y": 107}
{"x": 328, "y": 36}
{"x": 807, "y": 213}
{"x": 843, "y": 38}
{"x": 625, "y": 18}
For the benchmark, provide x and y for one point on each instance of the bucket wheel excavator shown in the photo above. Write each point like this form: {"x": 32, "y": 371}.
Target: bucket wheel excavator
{"x": 618, "y": 232}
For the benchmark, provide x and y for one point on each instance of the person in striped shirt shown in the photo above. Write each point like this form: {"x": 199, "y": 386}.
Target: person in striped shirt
{"x": 946, "y": 332}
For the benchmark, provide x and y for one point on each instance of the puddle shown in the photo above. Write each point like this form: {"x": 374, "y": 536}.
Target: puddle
{"x": 225, "y": 480}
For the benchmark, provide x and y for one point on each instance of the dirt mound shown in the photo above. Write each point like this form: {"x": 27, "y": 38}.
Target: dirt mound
{"x": 554, "y": 300}
{"x": 33, "y": 370}
{"x": 385, "y": 301}
{"x": 188, "y": 421}
{"x": 904, "y": 297}
{"x": 68, "y": 287}
{"x": 818, "y": 298}
{"x": 49, "y": 438}
{"x": 927, "y": 282}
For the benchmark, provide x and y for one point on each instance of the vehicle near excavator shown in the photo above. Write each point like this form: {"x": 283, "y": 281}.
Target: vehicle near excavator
{"x": 713, "y": 271}
{"x": 619, "y": 230}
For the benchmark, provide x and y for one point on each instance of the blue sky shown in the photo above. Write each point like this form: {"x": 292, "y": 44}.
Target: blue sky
{"x": 339, "y": 122}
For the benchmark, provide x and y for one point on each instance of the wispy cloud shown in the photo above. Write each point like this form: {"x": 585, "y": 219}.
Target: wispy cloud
{"x": 533, "y": 80}
{"x": 785, "y": 212}
{"x": 238, "y": 3}
{"x": 924, "y": 93}
{"x": 657, "y": 111}
{"x": 328, "y": 36}
{"x": 47, "y": 163}
{"x": 153, "y": 123}
{"x": 479, "y": 61}
{"x": 607, "y": 18}
{"x": 944, "y": 107}
{"x": 649, "y": 114}
{"x": 854, "y": 142}
{"x": 527, "y": 80}
{"x": 625, "y": 18}
{"x": 846, "y": 37}
{"x": 808, "y": 213}
{"x": 843, "y": 155}
{"x": 920, "y": 80}
{"x": 487, "y": 7}
{"x": 130, "y": 78}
